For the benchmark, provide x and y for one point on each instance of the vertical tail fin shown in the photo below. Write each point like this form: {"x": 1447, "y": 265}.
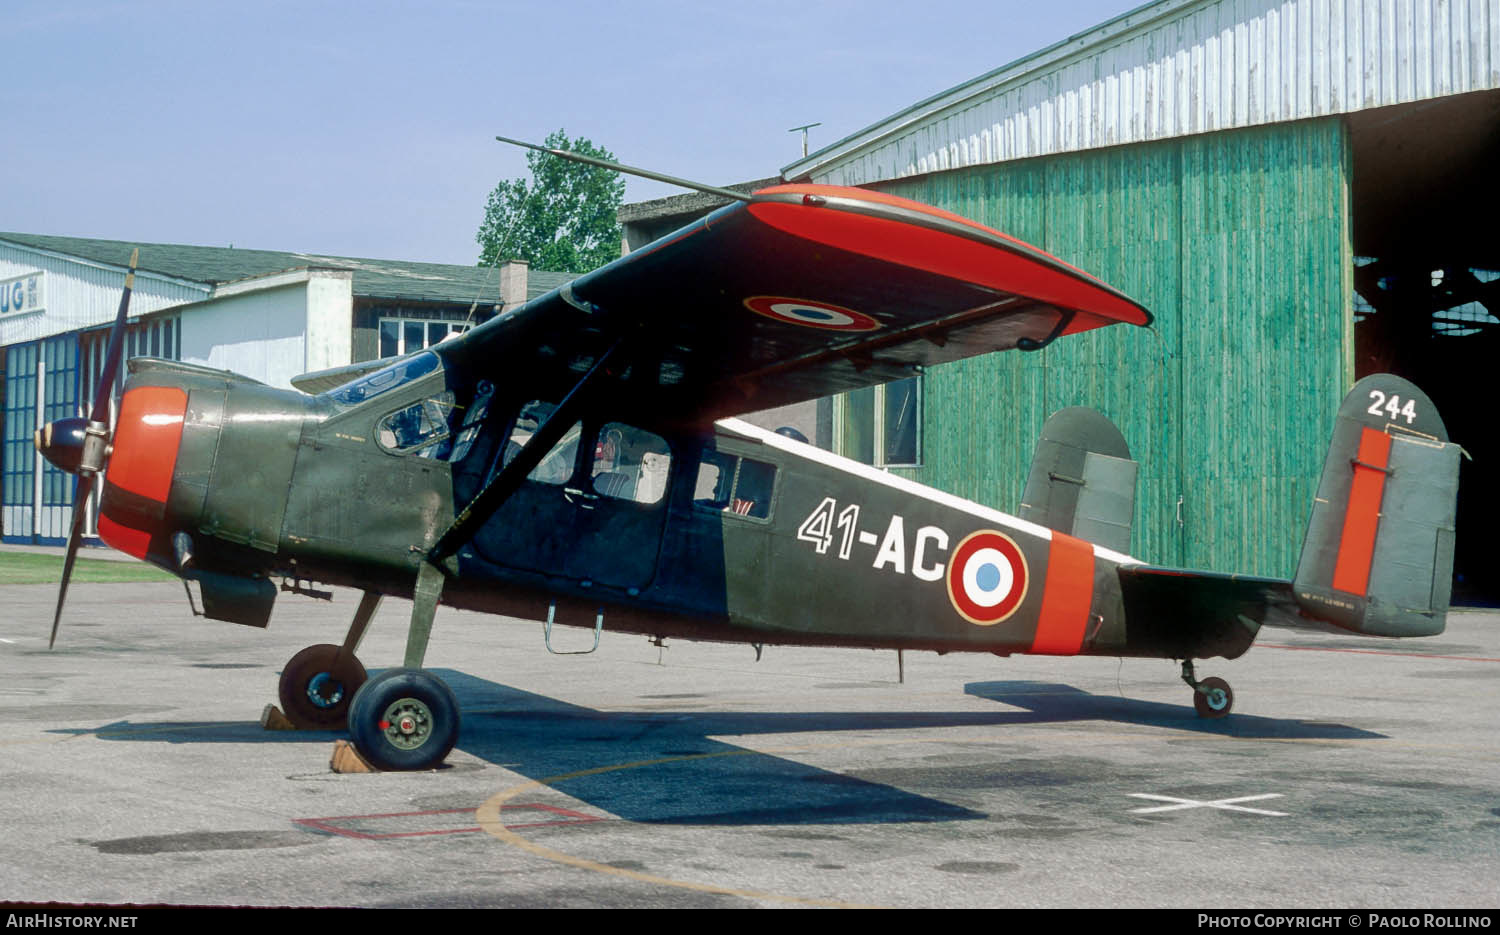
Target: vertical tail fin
{"x": 1378, "y": 555}
{"x": 1082, "y": 480}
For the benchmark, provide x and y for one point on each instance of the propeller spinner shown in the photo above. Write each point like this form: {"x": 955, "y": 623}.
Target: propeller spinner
{"x": 81, "y": 446}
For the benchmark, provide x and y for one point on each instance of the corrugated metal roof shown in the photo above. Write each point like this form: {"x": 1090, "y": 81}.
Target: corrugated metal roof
{"x": 1179, "y": 67}
{"x": 215, "y": 266}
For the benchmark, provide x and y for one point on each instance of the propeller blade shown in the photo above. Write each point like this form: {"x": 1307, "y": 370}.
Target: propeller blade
{"x": 106, "y": 386}
{"x": 75, "y": 539}
{"x": 99, "y": 418}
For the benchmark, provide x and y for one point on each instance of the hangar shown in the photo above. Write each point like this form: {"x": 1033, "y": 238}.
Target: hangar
{"x": 265, "y": 314}
{"x": 1302, "y": 191}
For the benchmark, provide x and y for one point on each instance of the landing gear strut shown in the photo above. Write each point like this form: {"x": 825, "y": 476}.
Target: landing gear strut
{"x": 406, "y": 718}
{"x": 318, "y": 683}
{"x": 1212, "y": 697}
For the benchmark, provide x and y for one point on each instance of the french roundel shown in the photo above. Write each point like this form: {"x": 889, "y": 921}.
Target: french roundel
{"x": 987, "y": 577}
{"x": 811, "y": 314}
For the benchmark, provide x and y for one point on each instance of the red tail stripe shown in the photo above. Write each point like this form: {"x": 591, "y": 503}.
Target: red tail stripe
{"x": 1351, "y": 571}
{"x": 1068, "y": 594}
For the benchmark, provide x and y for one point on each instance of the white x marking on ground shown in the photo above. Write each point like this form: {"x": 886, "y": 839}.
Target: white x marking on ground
{"x": 1227, "y": 805}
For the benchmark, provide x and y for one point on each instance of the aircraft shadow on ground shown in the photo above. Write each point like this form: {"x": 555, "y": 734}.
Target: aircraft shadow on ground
{"x": 1046, "y": 702}
{"x": 666, "y": 767}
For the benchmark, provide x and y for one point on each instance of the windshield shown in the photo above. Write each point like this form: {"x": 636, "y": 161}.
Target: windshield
{"x": 401, "y": 372}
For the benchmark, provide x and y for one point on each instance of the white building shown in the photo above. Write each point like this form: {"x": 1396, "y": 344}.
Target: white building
{"x": 264, "y": 314}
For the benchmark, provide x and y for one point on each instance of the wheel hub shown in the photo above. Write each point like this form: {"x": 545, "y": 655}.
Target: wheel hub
{"x": 407, "y": 723}
{"x": 324, "y": 690}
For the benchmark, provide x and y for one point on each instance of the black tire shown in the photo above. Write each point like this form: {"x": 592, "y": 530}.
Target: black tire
{"x": 1218, "y": 700}
{"x": 314, "y": 694}
{"x": 404, "y": 719}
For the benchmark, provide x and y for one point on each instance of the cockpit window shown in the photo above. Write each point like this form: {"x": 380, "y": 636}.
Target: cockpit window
{"x": 397, "y": 374}
{"x": 420, "y": 429}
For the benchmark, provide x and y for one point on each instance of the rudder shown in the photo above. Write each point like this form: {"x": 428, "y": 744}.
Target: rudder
{"x": 1378, "y": 554}
{"x": 1082, "y": 480}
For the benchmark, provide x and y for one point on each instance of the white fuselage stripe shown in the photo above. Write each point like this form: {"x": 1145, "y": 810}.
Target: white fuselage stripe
{"x": 905, "y": 485}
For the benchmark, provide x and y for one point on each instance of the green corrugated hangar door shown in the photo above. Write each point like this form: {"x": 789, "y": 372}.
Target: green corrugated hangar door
{"x": 1282, "y": 263}
{"x": 1238, "y": 242}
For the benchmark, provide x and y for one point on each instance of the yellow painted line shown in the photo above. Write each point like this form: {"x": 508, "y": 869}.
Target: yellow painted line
{"x": 488, "y": 815}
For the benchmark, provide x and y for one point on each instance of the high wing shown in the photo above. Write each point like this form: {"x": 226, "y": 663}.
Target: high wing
{"x": 799, "y": 293}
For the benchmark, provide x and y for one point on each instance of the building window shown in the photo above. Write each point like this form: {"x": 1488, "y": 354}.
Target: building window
{"x": 20, "y": 422}
{"x": 159, "y": 336}
{"x": 400, "y": 336}
{"x": 881, "y": 425}
{"x": 59, "y": 401}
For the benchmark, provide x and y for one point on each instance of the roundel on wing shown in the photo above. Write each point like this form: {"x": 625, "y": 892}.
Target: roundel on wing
{"x": 987, "y": 577}
{"x": 810, "y": 314}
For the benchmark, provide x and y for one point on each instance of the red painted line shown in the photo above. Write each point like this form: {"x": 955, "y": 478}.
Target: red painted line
{"x": 323, "y": 824}
{"x": 1351, "y": 572}
{"x": 1066, "y": 597}
{"x": 441, "y": 811}
{"x": 1373, "y": 652}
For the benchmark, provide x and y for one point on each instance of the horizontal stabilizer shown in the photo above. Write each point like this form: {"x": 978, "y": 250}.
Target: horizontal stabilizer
{"x": 1185, "y": 614}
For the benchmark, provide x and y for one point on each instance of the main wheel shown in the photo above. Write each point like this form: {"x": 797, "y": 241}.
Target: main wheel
{"x": 1214, "y": 700}
{"x": 404, "y": 719}
{"x": 315, "y": 689}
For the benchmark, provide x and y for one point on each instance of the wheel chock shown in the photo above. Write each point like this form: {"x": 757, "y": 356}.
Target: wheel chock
{"x": 272, "y": 719}
{"x": 346, "y": 759}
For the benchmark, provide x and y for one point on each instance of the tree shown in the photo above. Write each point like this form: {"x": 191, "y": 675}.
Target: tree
{"x": 562, "y": 220}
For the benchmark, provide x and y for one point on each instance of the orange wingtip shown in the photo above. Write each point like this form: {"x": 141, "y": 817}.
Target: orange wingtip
{"x": 1012, "y": 265}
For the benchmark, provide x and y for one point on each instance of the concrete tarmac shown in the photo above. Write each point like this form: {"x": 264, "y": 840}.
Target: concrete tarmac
{"x": 1354, "y": 773}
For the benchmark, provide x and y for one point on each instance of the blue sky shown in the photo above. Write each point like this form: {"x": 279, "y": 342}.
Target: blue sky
{"x": 366, "y": 129}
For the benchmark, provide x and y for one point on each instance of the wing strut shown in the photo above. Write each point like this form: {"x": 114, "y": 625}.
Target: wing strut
{"x": 508, "y": 480}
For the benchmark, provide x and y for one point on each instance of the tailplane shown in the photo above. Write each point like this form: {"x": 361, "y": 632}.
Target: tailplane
{"x": 1378, "y": 555}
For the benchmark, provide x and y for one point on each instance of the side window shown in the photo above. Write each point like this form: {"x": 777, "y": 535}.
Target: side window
{"x": 630, "y": 464}
{"x": 558, "y": 464}
{"x": 473, "y": 420}
{"x": 420, "y": 429}
{"x": 738, "y": 485}
{"x": 715, "y": 480}
{"x": 752, "y": 492}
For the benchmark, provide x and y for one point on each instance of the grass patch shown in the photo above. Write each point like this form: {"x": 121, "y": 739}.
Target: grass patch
{"x": 35, "y": 568}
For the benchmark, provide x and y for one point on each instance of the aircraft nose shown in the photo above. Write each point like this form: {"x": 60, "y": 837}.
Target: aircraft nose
{"x": 61, "y": 442}
{"x": 141, "y": 464}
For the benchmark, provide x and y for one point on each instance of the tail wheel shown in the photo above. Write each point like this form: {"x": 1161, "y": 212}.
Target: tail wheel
{"x": 316, "y": 688}
{"x": 404, "y": 719}
{"x": 1213, "y": 698}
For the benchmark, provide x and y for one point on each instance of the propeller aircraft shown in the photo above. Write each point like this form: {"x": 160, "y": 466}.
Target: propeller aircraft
{"x": 576, "y": 459}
